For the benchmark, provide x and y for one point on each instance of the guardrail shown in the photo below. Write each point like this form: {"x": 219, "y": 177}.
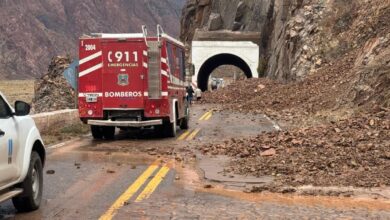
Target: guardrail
{"x": 48, "y": 120}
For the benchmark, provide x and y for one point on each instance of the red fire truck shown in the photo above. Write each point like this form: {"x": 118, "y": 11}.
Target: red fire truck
{"x": 132, "y": 81}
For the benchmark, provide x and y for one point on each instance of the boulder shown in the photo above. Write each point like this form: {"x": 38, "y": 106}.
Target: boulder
{"x": 215, "y": 22}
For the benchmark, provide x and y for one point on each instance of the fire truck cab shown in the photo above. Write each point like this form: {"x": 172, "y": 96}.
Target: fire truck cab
{"x": 132, "y": 81}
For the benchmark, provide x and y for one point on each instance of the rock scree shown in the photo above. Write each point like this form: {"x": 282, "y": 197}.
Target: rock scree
{"x": 352, "y": 152}
{"x": 336, "y": 125}
{"x": 52, "y": 91}
{"x": 335, "y": 117}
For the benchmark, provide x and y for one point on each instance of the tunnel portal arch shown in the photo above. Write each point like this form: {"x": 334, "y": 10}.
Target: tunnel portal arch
{"x": 207, "y": 55}
{"x": 219, "y": 60}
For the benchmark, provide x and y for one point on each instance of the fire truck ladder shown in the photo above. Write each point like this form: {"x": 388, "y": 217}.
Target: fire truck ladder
{"x": 154, "y": 81}
{"x": 154, "y": 76}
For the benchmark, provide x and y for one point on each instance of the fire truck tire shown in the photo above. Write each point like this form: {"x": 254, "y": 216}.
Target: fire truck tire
{"x": 97, "y": 132}
{"x": 170, "y": 128}
{"x": 184, "y": 123}
{"x": 109, "y": 133}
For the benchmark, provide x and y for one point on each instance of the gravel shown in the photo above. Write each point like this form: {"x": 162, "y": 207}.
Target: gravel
{"x": 52, "y": 91}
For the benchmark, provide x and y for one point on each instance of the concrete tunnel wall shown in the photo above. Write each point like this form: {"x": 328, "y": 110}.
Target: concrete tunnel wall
{"x": 209, "y": 55}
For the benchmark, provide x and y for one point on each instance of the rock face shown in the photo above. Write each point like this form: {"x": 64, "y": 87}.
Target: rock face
{"x": 273, "y": 18}
{"x": 245, "y": 15}
{"x": 233, "y": 15}
{"x": 298, "y": 37}
{"x": 32, "y": 32}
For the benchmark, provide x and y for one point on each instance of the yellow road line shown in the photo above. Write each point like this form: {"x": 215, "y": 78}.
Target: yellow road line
{"x": 110, "y": 213}
{"x": 193, "y": 134}
{"x": 184, "y": 135}
{"x": 153, "y": 184}
{"x": 204, "y": 115}
{"x": 208, "y": 116}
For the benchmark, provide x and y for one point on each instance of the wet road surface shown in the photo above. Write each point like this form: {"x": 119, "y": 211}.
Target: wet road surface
{"x": 126, "y": 179}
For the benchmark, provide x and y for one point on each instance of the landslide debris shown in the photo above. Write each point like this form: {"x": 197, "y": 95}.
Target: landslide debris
{"x": 336, "y": 91}
{"x": 52, "y": 91}
{"x": 352, "y": 152}
{"x": 335, "y": 120}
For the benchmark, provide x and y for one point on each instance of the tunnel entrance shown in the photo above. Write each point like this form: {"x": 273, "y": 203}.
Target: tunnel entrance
{"x": 225, "y": 75}
{"x": 216, "y": 61}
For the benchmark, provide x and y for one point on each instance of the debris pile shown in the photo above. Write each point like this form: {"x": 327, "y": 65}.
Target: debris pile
{"x": 352, "y": 152}
{"x": 52, "y": 91}
{"x": 234, "y": 95}
{"x": 336, "y": 87}
{"x": 336, "y": 123}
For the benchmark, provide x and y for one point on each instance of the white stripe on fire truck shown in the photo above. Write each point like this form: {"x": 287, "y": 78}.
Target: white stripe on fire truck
{"x": 146, "y": 94}
{"x": 145, "y": 65}
{"x": 176, "y": 88}
{"x": 163, "y": 72}
{"x": 83, "y": 95}
{"x": 177, "y": 81}
{"x": 89, "y": 58}
{"x": 163, "y": 60}
{"x": 145, "y": 53}
{"x": 90, "y": 70}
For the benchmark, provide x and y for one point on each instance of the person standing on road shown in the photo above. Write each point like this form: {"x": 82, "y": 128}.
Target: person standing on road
{"x": 190, "y": 94}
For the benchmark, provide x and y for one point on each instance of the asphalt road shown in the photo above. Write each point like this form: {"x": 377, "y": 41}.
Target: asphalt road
{"x": 132, "y": 178}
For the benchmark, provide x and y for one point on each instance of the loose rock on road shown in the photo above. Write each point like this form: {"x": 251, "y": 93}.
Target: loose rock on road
{"x": 152, "y": 178}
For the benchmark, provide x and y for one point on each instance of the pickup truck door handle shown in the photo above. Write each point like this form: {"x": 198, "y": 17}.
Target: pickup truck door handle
{"x": 2, "y": 133}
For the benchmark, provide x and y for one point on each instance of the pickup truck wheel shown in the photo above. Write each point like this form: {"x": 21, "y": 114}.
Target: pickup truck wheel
{"x": 30, "y": 199}
{"x": 97, "y": 132}
{"x": 109, "y": 133}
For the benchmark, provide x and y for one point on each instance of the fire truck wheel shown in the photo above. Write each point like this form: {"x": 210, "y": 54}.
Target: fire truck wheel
{"x": 170, "y": 128}
{"x": 109, "y": 133}
{"x": 184, "y": 123}
{"x": 97, "y": 132}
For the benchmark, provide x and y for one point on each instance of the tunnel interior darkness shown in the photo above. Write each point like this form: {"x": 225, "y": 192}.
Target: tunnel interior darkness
{"x": 216, "y": 61}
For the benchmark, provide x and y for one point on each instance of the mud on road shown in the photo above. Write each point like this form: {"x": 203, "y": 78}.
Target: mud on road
{"x": 141, "y": 176}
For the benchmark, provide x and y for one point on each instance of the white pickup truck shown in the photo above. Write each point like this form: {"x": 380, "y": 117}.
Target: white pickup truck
{"x": 22, "y": 156}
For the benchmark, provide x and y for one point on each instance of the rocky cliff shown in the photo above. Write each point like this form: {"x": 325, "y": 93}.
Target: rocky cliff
{"x": 32, "y": 32}
{"x": 298, "y": 37}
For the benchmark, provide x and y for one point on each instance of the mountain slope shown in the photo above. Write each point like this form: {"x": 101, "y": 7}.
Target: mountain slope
{"x": 32, "y": 32}
{"x": 298, "y": 37}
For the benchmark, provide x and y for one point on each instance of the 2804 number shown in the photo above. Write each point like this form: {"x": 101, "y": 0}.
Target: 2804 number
{"x": 90, "y": 47}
